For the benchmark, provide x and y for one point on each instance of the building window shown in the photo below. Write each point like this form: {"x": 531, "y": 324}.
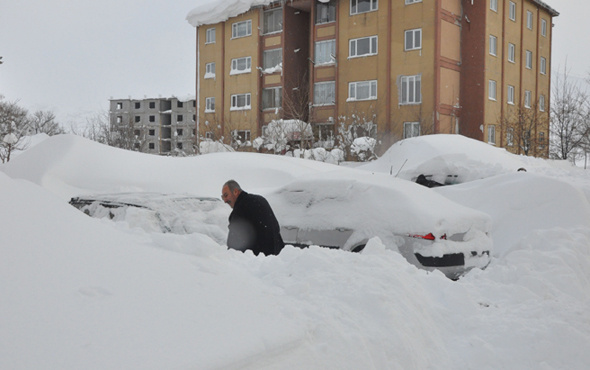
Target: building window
{"x": 209, "y": 70}
{"x": 529, "y": 19}
{"x": 179, "y": 104}
{"x": 272, "y": 97}
{"x": 241, "y": 29}
{"x": 362, "y": 6}
{"x": 408, "y": 2}
{"x": 493, "y": 45}
{"x": 543, "y": 28}
{"x": 512, "y": 11}
{"x": 152, "y": 105}
{"x": 240, "y": 102}
{"x": 152, "y": 146}
{"x": 325, "y": 52}
{"x": 179, "y": 146}
{"x": 324, "y": 93}
{"x": 511, "y": 52}
{"x": 510, "y": 137}
{"x": 413, "y": 39}
{"x": 492, "y": 90}
{"x": 119, "y": 105}
{"x": 542, "y": 103}
{"x": 541, "y": 138}
{"x": 210, "y": 135}
{"x": 152, "y": 132}
{"x": 209, "y": 104}
{"x": 411, "y": 129}
{"x": 179, "y": 132}
{"x": 179, "y": 118}
{"x": 325, "y": 12}
{"x": 137, "y": 105}
{"x": 241, "y": 135}
{"x": 510, "y": 95}
{"x": 543, "y": 65}
{"x": 210, "y": 39}
{"x": 362, "y": 47}
{"x": 411, "y": 92}
{"x": 494, "y": 5}
{"x": 241, "y": 65}
{"x": 273, "y": 20}
{"x": 527, "y": 99}
{"x": 492, "y": 134}
{"x": 362, "y": 90}
{"x": 272, "y": 58}
{"x": 529, "y": 59}
{"x": 152, "y": 118}
{"x": 137, "y": 119}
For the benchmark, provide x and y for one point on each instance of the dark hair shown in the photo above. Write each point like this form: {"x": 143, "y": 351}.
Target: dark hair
{"x": 232, "y": 185}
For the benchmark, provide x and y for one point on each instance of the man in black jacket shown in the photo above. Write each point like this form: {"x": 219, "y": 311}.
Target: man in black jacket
{"x": 252, "y": 223}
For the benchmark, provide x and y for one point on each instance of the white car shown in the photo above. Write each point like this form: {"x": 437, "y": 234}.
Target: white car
{"x": 343, "y": 210}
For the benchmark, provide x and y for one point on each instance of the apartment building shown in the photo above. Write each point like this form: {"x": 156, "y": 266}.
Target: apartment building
{"x": 408, "y": 67}
{"x": 164, "y": 126}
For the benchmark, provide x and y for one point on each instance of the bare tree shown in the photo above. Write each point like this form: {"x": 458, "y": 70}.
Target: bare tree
{"x": 43, "y": 122}
{"x": 354, "y": 125}
{"x": 13, "y": 121}
{"x": 524, "y": 128}
{"x": 570, "y": 118}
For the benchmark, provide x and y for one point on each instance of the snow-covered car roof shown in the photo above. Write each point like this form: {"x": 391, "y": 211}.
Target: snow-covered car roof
{"x": 371, "y": 202}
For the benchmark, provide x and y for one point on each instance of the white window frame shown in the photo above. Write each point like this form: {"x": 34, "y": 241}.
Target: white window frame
{"x": 492, "y": 134}
{"x": 493, "y": 45}
{"x": 210, "y": 104}
{"x": 529, "y": 60}
{"x": 527, "y": 99}
{"x": 325, "y": 95}
{"x": 413, "y": 128}
{"x": 415, "y": 37}
{"x": 353, "y": 46}
{"x": 409, "y": 2}
{"x": 210, "y": 70}
{"x": 544, "y": 27}
{"x": 492, "y": 90}
{"x": 272, "y": 13}
{"x": 236, "y": 29}
{"x": 210, "y": 36}
{"x": 510, "y": 137}
{"x": 373, "y": 6}
{"x": 236, "y": 99}
{"x": 511, "y": 52}
{"x": 510, "y": 95}
{"x": 529, "y": 19}
{"x": 542, "y": 103}
{"x": 265, "y": 55}
{"x": 543, "y": 66}
{"x": 410, "y": 91}
{"x": 325, "y": 52}
{"x": 246, "y": 133}
{"x": 494, "y": 5}
{"x": 235, "y": 64}
{"x": 512, "y": 11}
{"x": 354, "y": 87}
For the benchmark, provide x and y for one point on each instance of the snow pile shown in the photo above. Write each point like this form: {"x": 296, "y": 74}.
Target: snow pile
{"x": 79, "y": 292}
{"x": 453, "y": 158}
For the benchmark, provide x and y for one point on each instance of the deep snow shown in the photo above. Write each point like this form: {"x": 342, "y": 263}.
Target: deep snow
{"x": 80, "y": 292}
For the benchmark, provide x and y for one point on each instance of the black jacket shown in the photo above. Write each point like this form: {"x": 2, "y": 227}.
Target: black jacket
{"x": 253, "y": 225}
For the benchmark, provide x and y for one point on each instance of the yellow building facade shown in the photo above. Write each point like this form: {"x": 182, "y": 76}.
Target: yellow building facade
{"x": 406, "y": 67}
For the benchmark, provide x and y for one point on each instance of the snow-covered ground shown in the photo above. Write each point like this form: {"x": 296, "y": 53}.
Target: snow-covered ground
{"x": 86, "y": 293}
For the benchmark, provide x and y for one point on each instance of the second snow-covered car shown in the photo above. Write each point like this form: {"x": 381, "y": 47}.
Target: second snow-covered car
{"x": 342, "y": 210}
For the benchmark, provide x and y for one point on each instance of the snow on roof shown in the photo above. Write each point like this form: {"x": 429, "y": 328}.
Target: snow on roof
{"x": 215, "y": 11}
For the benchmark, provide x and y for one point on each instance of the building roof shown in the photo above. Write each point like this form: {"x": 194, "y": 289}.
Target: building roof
{"x": 553, "y": 12}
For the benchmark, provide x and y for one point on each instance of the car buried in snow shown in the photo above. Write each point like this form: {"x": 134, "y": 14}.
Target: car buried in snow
{"x": 344, "y": 211}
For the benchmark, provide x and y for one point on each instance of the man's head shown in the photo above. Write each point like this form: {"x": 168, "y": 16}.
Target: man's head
{"x": 230, "y": 192}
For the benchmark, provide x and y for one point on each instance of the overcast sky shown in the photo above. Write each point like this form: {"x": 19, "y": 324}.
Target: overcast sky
{"x": 71, "y": 57}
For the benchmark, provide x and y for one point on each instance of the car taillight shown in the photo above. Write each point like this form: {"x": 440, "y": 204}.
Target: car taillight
{"x": 428, "y": 236}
